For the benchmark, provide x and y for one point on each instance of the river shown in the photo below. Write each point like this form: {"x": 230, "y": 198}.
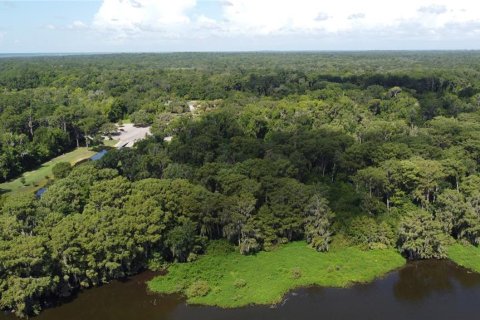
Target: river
{"x": 421, "y": 290}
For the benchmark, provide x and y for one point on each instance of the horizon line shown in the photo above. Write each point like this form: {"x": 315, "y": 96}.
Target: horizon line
{"x": 59, "y": 53}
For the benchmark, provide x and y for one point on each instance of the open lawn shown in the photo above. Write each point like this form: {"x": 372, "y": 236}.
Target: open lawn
{"x": 225, "y": 278}
{"x": 110, "y": 142}
{"x": 466, "y": 256}
{"x": 38, "y": 178}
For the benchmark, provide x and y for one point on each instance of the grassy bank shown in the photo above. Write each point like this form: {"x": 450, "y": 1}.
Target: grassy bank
{"x": 227, "y": 279}
{"x": 466, "y": 256}
{"x": 38, "y": 178}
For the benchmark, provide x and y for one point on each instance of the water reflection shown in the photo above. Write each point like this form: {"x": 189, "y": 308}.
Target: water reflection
{"x": 419, "y": 280}
{"x": 422, "y": 290}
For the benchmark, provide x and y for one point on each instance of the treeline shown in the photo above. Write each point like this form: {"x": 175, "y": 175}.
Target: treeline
{"x": 51, "y": 105}
{"x": 342, "y": 156}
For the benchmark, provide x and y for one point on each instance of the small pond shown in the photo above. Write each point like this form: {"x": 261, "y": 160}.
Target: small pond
{"x": 98, "y": 155}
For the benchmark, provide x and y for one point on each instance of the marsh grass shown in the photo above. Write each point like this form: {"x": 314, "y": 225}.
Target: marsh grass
{"x": 466, "y": 256}
{"x": 267, "y": 276}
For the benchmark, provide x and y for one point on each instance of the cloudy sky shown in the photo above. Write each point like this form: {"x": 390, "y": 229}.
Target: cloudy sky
{"x": 237, "y": 25}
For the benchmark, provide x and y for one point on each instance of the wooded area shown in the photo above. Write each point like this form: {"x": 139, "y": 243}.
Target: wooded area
{"x": 375, "y": 150}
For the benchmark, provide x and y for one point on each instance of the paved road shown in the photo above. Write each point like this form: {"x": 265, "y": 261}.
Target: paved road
{"x": 130, "y": 134}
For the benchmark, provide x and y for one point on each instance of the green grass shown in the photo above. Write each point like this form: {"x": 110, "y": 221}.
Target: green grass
{"x": 466, "y": 256}
{"x": 110, "y": 143}
{"x": 38, "y": 178}
{"x": 234, "y": 280}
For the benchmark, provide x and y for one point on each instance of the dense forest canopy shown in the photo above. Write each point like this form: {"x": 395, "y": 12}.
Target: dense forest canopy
{"x": 374, "y": 150}
{"x": 50, "y": 105}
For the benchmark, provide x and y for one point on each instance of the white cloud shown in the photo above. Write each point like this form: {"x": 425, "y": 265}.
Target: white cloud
{"x": 433, "y": 9}
{"x": 143, "y": 15}
{"x": 78, "y": 24}
{"x": 275, "y": 16}
{"x": 175, "y": 18}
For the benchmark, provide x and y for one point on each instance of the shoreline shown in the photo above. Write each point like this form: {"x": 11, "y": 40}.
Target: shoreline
{"x": 269, "y": 276}
{"x": 163, "y": 284}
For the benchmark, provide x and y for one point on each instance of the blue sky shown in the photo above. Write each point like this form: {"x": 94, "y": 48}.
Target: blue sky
{"x": 236, "y": 25}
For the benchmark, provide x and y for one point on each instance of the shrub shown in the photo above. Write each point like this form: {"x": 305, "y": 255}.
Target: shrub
{"x": 199, "y": 288}
{"x": 156, "y": 262}
{"x": 240, "y": 283}
{"x": 192, "y": 257}
{"x": 368, "y": 233}
{"x": 296, "y": 273}
{"x": 249, "y": 246}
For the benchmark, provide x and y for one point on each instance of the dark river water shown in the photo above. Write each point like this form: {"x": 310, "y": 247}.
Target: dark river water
{"x": 421, "y": 290}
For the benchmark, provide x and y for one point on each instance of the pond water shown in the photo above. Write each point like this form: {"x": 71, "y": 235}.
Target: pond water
{"x": 421, "y": 290}
{"x": 39, "y": 193}
{"x": 99, "y": 155}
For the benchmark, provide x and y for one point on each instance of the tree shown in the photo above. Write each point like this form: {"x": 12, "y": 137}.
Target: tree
{"x": 22, "y": 206}
{"x": 286, "y": 199}
{"x": 368, "y": 233}
{"x": 89, "y": 126}
{"x": 374, "y": 180}
{"x": 181, "y": 240}
{"x": 141, "y": 118}
{"x": 393, "y": 92}
{"x": 235, "y": 218}
{"x": 108, "y": 129}
{"x": 28, "y": 279}
{"x": 420, "y": 236}
{"x": 418, "y": 177}
{"x": 457, "y": 164}
{"x": 110, "y": 193}
{"x": 318, "y": 218}
{"x": 50, "y": 141}
{"x": 61, "y": 170}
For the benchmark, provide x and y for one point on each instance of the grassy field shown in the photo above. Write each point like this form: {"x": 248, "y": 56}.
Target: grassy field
{"x": 466, "y": 256}
{"x": 227, "y": 279}
{"x": 38, "y": 178}
{"x": 110, "y": 143}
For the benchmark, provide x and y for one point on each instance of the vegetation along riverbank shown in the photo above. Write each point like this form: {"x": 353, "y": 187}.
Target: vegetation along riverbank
{"x": 467, "y": 256}
{"x": 225, "y": 278}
